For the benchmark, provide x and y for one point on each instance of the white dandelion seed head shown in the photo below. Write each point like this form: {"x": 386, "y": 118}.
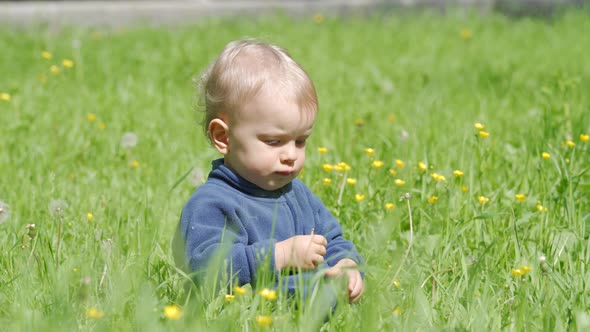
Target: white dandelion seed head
{"x": 197, "y": 177}
{"x": 405, "y": 196}
{"x": 542, "y": 259}
{"x": 404, "y": 135}
{"x": 30, "y": 226}
{"x": 57, "y": 207}
{"x": 128, "y": 140}
{"x": 86, "y": 281}
{"x": 387, "y": 86}
{"x": 107, "y": 246}
{"x": 4, "y": 212}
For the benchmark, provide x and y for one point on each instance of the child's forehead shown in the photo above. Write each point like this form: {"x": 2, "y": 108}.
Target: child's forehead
{"x": 269, "y": 102}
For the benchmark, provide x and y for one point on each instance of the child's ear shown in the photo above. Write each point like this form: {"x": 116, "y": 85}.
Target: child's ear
{"x": 219, "y": 133}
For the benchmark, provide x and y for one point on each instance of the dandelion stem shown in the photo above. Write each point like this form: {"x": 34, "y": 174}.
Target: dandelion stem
{"x": 341, "y": 190}
{"x": 59, "y": 230}
{"x": 103, "y": 275}
{"x": 410, "y": 243}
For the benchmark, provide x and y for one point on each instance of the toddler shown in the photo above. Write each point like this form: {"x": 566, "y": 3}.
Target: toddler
{"x": 260, "y": 107}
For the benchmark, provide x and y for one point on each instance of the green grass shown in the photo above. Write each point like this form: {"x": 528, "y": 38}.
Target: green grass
{"x": 416, "y": 86}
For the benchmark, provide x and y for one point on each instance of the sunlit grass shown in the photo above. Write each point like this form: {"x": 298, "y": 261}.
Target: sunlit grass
{"x": 483, "y": 120}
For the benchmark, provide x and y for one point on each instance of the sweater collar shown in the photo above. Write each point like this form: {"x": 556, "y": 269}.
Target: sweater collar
{"x": 222, "y": 172}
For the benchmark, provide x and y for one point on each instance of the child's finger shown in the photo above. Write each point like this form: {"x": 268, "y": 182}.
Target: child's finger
{"x": 319, "y": 239}
{"x": 355, "y": 287}
{"x": 317, "y": 259}
{"x": 321, "y": 250}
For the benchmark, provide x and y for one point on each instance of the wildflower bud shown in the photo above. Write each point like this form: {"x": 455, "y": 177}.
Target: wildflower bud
{"x": 32, "y": 231}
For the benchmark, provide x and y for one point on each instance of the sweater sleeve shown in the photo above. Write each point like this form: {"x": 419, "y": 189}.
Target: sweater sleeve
{"x": 327, "y": 225}
{"x": 215, "y": 238}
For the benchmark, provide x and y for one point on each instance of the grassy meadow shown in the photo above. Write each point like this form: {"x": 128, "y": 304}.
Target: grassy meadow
{"x": 482, "y": 119}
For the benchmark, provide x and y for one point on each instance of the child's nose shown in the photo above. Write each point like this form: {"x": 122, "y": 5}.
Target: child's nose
{"x": 289, "y": 153}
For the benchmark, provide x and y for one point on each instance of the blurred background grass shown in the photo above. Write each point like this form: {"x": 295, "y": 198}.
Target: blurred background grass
{"x": 411, "y": 87}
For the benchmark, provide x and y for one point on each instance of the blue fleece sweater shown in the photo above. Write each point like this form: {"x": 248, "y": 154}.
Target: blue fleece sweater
{"x": 227, "y": 206}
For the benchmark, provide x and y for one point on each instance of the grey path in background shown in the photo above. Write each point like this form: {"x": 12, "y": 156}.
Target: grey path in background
{"x": 114, "y": 13}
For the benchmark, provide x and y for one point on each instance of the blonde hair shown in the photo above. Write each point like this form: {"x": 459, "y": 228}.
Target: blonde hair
{"x": 242, "y": 69}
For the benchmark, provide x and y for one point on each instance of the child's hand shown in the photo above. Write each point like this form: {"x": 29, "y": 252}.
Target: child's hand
{"x": 355, "y": 281}
{"x": 301, "y": 251}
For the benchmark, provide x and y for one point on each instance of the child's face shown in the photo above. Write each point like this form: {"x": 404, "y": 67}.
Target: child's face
{"x": 266, "y": 140}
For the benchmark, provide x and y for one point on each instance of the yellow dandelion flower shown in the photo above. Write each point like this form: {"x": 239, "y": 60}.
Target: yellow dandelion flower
{"x": 525, "y": 269}
{"x": 391, "y": 117}
{"x": 479, "y": 126}
{"x": 570, "y": 143}
{"x": 399, "y": 182}
{"x": 545, "y": 155}
{"x": 268, "y": 294}
{"x": 102, "y": 125}
{"x": 54, "y": 69}
{"x": 263, "y": 321}
{"x": 46, "y": 55}
{"x": 67, "y": 63}
{"x": 318, "y": 18}
{"x": 464, "y": 189}
{"x": 517, "y": 272}
{"x": 91, "y": 117}
{"x": 135, "y": 164}
{"x": 520, "y": 197}
{"x": 397, "y": 311}
{"x": 438, "y": 177}
{"x": 397, "y": 283}
{"x": 322, "y": 150}
{"x": 351, "y": 181}
{"x": 359, "y": 197}
{"x": 239, "y": 290}
{"x": 466, "y": 34}
{"x": 377, "y": 163}
{"x": 327, "y": 181}
{"x": 359, "y": 122}
{"x": 172, "y": 311}
{"x": 94, "y": 313}
{"x": 432, "y": 199}
{"x": 392, "y": 172}
{"x": 399, "y": 163}
{"x": 389, "y": 206}
{"x": 5, "y": 96}
{"x": 89, "y": 216}
{"x": 584, "y": 138}
{"x": 458, "y": 173}
{"x": 422, "y": 166}
{"x": 229, "y": 297}
{"x": 369, "y": 151}
{"x": 483, "y": 200}
{"x": 328, "y": 167}
{"x": 342, "y": 167}
{"x": 484, "y": 134}
{"x": 540, "y": 208}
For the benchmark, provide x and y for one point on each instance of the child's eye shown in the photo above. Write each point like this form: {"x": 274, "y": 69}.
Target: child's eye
{"x": 300, "y": 142}
{"x": 272, "y": 142}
